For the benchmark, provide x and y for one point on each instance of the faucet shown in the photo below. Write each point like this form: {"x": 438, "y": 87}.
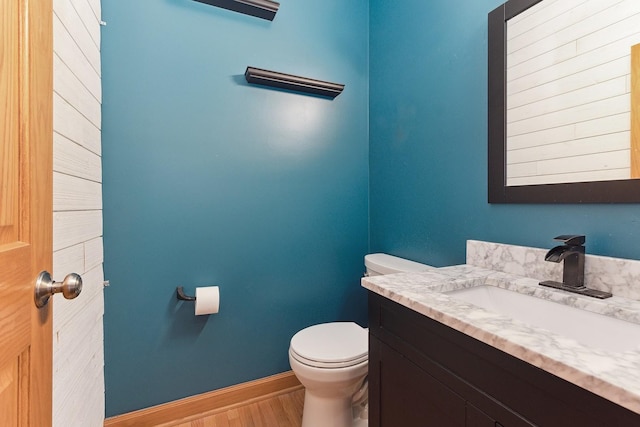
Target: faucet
{"x": 572, "y": 253}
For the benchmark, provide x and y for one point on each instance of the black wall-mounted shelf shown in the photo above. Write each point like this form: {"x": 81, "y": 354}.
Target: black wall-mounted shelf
{"x": 265, "y": 9}
{"x": 291, "y": 82}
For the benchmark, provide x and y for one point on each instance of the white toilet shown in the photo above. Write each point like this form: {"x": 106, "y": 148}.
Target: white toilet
{"x": 331, "y": 360}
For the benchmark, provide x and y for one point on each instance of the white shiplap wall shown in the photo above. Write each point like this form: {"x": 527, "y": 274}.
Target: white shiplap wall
{"x": 78, "y": 356}
{"x": 568, "y": 91}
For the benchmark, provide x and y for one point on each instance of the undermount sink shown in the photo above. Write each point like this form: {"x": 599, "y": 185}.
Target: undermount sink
{"x": 590, "y": 329}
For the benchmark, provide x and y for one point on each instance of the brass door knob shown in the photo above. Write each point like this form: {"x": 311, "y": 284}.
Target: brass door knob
{"x": 70, "y": 287}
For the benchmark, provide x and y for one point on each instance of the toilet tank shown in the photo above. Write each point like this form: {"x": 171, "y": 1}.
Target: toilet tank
{"x": 378, "y": 264}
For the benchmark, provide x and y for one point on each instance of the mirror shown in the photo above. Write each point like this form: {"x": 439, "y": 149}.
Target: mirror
{"x": 560, "y": 90}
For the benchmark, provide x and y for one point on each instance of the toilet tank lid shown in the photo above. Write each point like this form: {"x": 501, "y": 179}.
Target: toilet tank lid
{"x": 387, "y": 264}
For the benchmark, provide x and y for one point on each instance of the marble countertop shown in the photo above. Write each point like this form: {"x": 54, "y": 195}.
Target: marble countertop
{"x": 612, "y": 375}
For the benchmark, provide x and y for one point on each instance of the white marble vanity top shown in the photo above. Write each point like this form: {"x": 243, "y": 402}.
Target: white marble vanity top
{"x": 614, "y": 376}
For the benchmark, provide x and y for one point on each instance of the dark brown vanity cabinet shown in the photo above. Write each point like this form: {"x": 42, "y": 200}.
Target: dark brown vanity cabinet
{"x": 423, "y": 373}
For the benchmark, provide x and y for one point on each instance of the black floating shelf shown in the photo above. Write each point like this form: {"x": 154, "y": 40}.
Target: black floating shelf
{"x": 288, "y": 81}
{"x": 265, "y": 9}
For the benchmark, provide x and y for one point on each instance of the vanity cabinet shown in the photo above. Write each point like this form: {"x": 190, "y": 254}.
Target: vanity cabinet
{"x": 423, "y": 373}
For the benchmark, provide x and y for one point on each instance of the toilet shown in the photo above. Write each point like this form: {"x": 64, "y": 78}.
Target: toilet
{"x": 331, "y": 360}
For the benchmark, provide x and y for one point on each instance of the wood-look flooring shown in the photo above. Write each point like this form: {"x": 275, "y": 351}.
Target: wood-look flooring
{"x": 284, "y": 410}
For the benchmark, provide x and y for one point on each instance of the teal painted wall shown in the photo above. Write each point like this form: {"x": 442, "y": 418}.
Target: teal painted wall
{"x": 208, "y": 180}
{"x": 211, "y": 181}
{"x": 428, "y": 144}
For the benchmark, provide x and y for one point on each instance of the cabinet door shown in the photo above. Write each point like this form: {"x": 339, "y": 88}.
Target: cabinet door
{"x": 477, "y": 418}
{"x": 409, "y": 397}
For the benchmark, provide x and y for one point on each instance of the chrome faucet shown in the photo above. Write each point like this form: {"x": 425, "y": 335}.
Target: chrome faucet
{"x": 572, "y": 253}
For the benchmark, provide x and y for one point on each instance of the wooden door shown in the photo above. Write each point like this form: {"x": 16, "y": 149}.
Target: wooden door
{"x": 26, "y": 134}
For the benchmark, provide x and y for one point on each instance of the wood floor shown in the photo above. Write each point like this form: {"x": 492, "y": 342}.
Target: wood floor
{"x": 284, "y": 410}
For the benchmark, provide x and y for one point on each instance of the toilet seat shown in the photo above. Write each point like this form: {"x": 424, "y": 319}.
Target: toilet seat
{"x": 331, "y": 345}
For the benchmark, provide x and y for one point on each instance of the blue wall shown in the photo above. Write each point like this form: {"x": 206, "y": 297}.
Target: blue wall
{"x": 428, "y": 144}
{"x": 208, "y": 180}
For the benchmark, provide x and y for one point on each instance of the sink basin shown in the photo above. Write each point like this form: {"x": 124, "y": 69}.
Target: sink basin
{"x": 589, "y": 329}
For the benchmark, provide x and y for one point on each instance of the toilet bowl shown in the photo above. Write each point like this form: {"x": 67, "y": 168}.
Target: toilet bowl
{"x": 331, "y": 361}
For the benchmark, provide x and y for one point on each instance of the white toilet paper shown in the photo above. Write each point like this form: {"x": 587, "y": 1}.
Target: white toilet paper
{"x": 207, "y": 300}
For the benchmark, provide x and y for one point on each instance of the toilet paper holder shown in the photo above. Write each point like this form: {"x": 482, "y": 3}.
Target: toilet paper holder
{"x": 182, "y": 296}
{"x": 205, "y": 301}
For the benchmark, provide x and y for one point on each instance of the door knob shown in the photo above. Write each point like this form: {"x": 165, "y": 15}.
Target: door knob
{"x": 70, "y": 287}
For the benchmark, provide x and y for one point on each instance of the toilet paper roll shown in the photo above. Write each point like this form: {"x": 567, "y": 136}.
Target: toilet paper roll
{"x": 207, "y": 300}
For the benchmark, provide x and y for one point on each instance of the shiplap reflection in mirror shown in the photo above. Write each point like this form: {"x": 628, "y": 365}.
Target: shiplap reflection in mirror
{"x": 568, "y": 91}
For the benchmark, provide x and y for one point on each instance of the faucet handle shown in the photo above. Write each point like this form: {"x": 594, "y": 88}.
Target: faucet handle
{"x": 571, "y": 239}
